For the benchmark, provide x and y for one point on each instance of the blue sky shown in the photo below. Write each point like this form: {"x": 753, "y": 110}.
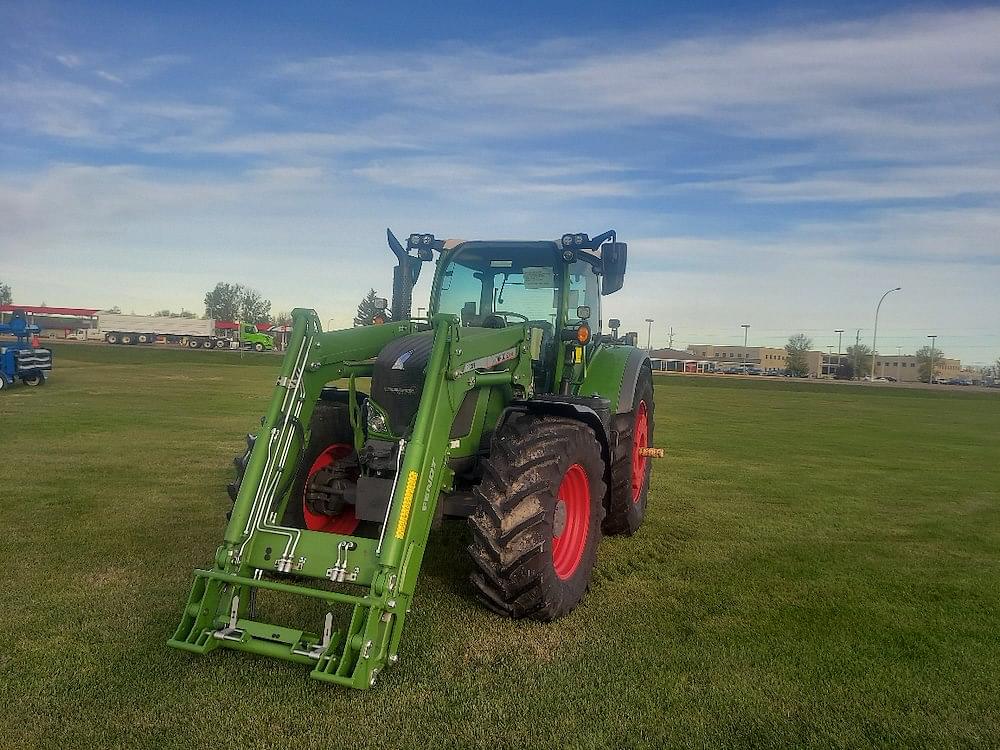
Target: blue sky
{"x": 775, "y": 164}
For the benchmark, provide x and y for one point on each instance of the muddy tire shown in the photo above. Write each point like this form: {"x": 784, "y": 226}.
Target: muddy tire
{"x": 630, "y": 472}
{"x": 538, "y": 522}
{"x": 34, "y": 379}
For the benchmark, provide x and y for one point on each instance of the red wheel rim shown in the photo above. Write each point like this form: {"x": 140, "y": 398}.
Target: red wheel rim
{"x": 640, "y": 439}
{"x": 572, "y": 502}
{"x": 342, "y": 523}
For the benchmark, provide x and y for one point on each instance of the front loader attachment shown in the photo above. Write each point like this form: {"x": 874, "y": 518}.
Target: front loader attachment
{"x": 375, "y": 577}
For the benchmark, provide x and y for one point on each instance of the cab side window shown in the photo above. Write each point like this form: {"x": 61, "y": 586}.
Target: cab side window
{"x": 584, "y": 289}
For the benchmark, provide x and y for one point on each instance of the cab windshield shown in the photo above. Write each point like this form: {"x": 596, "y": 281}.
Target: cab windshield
{"x": 514, "y": 282}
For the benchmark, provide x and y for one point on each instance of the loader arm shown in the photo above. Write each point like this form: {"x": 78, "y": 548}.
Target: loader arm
{"x": 259, "y": 553}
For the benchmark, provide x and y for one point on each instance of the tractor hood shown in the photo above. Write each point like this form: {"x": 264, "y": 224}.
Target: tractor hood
{"x": 398, "y": 379}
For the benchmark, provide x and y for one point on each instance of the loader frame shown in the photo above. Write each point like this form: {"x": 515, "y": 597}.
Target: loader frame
{"x": 260, "y": 554}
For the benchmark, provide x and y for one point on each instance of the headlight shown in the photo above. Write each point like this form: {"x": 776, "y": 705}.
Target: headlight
{"x": 376, "y": 422}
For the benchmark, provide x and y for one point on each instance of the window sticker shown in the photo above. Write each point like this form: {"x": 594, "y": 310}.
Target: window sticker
{"x": 501, "y": 264}
{"x": 539, "y": 277}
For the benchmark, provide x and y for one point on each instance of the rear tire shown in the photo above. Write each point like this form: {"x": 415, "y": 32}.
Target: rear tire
{"x": 629, "y": 472}
{"x": 536, "y": 529}
{"x": 207, "y": 344}
{"x": 127, "y": 338}
{"x": 193, "y": 343}
{"x": 112, "y": 338}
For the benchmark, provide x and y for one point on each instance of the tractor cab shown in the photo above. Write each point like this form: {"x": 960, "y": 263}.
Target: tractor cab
{"x": 552, "y": 288}
{"x": 501, "y": 284}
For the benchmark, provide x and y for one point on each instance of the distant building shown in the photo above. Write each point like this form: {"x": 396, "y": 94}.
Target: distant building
{"x": 906, "y": 370}
{"x": 57, "y": 322}
{"x": 760, "y": 357}
{"x": 678, "y": 360}
{"x": 820, "y": 364}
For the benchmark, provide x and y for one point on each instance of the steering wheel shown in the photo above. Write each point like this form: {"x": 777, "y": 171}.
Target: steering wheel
{"x": 504, "y": 313}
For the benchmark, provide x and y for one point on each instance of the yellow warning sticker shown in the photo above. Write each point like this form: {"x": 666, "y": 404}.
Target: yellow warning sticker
{"x": 404, "y": 513}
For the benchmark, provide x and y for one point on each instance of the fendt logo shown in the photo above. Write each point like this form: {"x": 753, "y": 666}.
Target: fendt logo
{"x": 398, "y": 364}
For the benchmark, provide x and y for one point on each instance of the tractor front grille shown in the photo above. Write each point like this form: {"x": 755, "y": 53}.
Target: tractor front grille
{"x": 398, "y": 379}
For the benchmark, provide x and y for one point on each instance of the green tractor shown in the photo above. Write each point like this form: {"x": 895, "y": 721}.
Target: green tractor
{"x": 504, "y": 407}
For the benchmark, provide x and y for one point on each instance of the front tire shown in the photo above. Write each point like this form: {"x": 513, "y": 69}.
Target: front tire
{"x": 538, "y": 523}
{"x": 34, "y": 380}
{"x": 630, "y": 471}
{"x": 258, "y": 347}
{"x": 331, "y": 442}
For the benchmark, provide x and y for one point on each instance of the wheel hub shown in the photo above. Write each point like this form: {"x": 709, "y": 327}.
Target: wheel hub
{"x": 559, "y": 523}
{"x": 331, "y": 468}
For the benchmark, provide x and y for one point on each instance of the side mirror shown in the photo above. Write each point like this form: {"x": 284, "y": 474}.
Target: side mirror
{"x": 613, "y": 259}
{"x": 583, "y": 312}
{"x": 614, "y": 323}
{"x": 381, "y": 303}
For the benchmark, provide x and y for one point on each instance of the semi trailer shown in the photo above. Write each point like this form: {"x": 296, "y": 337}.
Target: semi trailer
{"x": 195, "y": 333}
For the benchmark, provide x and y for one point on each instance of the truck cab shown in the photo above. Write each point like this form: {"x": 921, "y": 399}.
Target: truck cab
{"x": 251, "y": 338}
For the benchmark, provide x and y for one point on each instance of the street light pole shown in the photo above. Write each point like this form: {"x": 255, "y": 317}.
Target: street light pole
{"x": 875, "y": 332}
{"x": 746, "y": 354}
{"x": 649, "y": 334}
{"x": 930, "y": 374}
{"x": 840, "y": 340}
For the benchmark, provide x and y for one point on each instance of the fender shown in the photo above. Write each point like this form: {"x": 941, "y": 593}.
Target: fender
{"x": 613, "y": 374}
{"x": 594, "y": 411}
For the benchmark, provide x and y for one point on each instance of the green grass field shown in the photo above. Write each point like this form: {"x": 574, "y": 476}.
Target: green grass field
{"x": 820, "y": 567}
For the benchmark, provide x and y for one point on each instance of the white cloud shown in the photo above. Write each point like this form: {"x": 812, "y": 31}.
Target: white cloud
{"x": 864, "y": 185}
{"x": 110, "y": 77}
{"x": 886, "y": 82}
{"x": 490, "y": 178}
